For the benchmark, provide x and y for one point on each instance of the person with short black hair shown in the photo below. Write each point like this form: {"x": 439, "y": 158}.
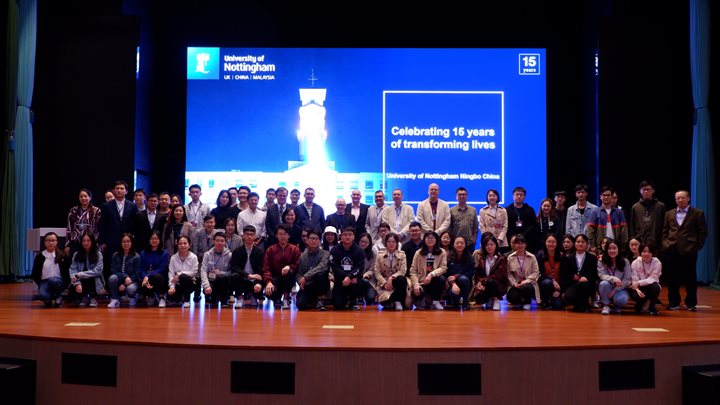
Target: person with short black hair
{"x": 215, "y": 275}
{"x": 607, "y": 221}
{"x": 51, "y": 272}
{"x": 347, "y": 262}
{"x": 309, "y": 213}
{"x": 461, "y": 269}
{"x": 464, "y": 219}
{"x": 647, "y": 216}
{"x": 139, "y": 199}
{"x": 279, "y": 267}
{"x": 254, "y": 216}
{"x": 313, "y": 274}
{"x": 195, "y": 209}
{"x": 646, "y": 272}
{"x": 116, "y": 219}
{"x": 247, "y": 263}
{"x": 522, "y": 220}
{"x": 580, "y": 213}
{"x": 374, "y": 216}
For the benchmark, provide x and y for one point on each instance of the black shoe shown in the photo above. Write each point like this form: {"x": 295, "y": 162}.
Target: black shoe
{"x": 672, "y": 307}
{"x": 692, "y": 308}
{"x": 653, "y": 311}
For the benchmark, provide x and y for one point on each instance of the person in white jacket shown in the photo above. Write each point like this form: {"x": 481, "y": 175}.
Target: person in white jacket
{"x": 182, "y": 272}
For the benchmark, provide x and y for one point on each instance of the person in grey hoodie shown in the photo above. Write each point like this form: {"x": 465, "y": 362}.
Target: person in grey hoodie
{"x": 215, "y": 274}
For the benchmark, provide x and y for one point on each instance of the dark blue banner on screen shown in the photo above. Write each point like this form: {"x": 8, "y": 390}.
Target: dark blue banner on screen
{"x": 368, "y": 119}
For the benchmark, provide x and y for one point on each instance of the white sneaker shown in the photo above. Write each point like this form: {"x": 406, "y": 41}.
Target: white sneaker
{"x": 605, "y": 310}
{"x": 398, "y": 306}
{"x": 496, "y": 304}
{"x": 286, "y": 304}
{"x": 93, "y": 302}
{"x": 437, "y": 305}
{"x": 150, "y": 301}
{"x": 113, "y": 303}
{"x": 527, "y": 307}
{"x": 161, "y": 303}
{"x": 133, "y": 301}
{"x": 186, "y": 305}
{"x": 239, "y": 303}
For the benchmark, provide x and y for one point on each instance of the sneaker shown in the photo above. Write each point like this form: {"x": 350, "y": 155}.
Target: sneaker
{"x": 133, "y": 301}
{"x": 527, "y": 307}
{"x": 162, "y": 303}
{"x": 605, "y": 310}
{"x": 150, "y": 301}
{"x": 692, "y": 308}
{"x": 671, "y": 307}
{"x": 355, "y": 307}
{"x": 85, "y": 301}
{"x": 320, "y": 306}
{"x": 653, "y": 311}
{"x": 186, "y": 304}
{"x": 113, "y": 303}
{"x": 93, "y": 302}
{"x": 437, "y": 305}
{"x": 496, "y": 304}
{"x": 286, "y": 304}
{"x": 58, "y": 302}
{"x": 239, "y": 303}
{"x": 398, "y": 306}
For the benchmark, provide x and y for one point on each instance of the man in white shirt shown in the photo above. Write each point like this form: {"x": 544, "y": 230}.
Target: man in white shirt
{"x": 255, "y": 217}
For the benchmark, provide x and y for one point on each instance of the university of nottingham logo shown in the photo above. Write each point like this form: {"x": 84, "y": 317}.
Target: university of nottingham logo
{"x": 203, "y": 63}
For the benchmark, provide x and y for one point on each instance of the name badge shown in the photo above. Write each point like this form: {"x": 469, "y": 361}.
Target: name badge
{"x": 518, "y": 223}
{"x": 347, "y": 267}
{"x": 551, "y": 223}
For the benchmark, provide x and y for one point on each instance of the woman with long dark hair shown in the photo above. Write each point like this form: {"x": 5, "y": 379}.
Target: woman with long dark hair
{"x": 223, "y": 209}
{"x": 86, "y": 271}
{"x": 549, "y": 262}
{"x": 125, "y": 269}
{"x": 177, "y": 225}
{"x": 490, "y": 281}
{"x": 427, "y": 273}
{"x": 461, "y": 268}
{"x": 578, "y": 275}
{"x": 615, "y": 278}
{"x": 154, "y": 271}
{"x": 82, "y": 218}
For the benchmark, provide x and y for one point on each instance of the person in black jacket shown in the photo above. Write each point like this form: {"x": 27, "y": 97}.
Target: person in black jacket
{"x": 51, "y": 272}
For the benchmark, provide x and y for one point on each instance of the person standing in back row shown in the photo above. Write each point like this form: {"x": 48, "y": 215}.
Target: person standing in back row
{"x": 684, "y": 235}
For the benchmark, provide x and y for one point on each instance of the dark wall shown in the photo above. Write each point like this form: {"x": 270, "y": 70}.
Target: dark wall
{"x": 84, "y": 105}
{"x": 645, "y": 102}
{"x": 629, "y": 37}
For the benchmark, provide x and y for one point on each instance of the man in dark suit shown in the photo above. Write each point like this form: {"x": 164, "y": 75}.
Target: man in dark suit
{"x": 310, "y": 214}
{"x": 342, "y": 218}
{"x": 359, "y": 211}
{"x": 684, "y": 233}
{"x": 117, "y": 218}
{"x": 246, "y": 266}
{"x": 146, "y": 221}
{"x": 275, "y": 213}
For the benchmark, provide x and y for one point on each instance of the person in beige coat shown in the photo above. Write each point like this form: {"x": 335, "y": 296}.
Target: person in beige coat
{"x": 494, "y": 219}
{"x": 434, "y": 213}
{"x": 427, "y": 273}
{"x": 523, "y": 273}
{"x": 390, "y": 268}
{"x": 399, "y": 216}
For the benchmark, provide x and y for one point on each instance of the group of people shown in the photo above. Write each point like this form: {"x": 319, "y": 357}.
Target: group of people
{"x": 239, "y": 252}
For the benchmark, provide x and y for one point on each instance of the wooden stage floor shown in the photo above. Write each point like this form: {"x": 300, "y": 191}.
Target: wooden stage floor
{"x": 367, "y": 329}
